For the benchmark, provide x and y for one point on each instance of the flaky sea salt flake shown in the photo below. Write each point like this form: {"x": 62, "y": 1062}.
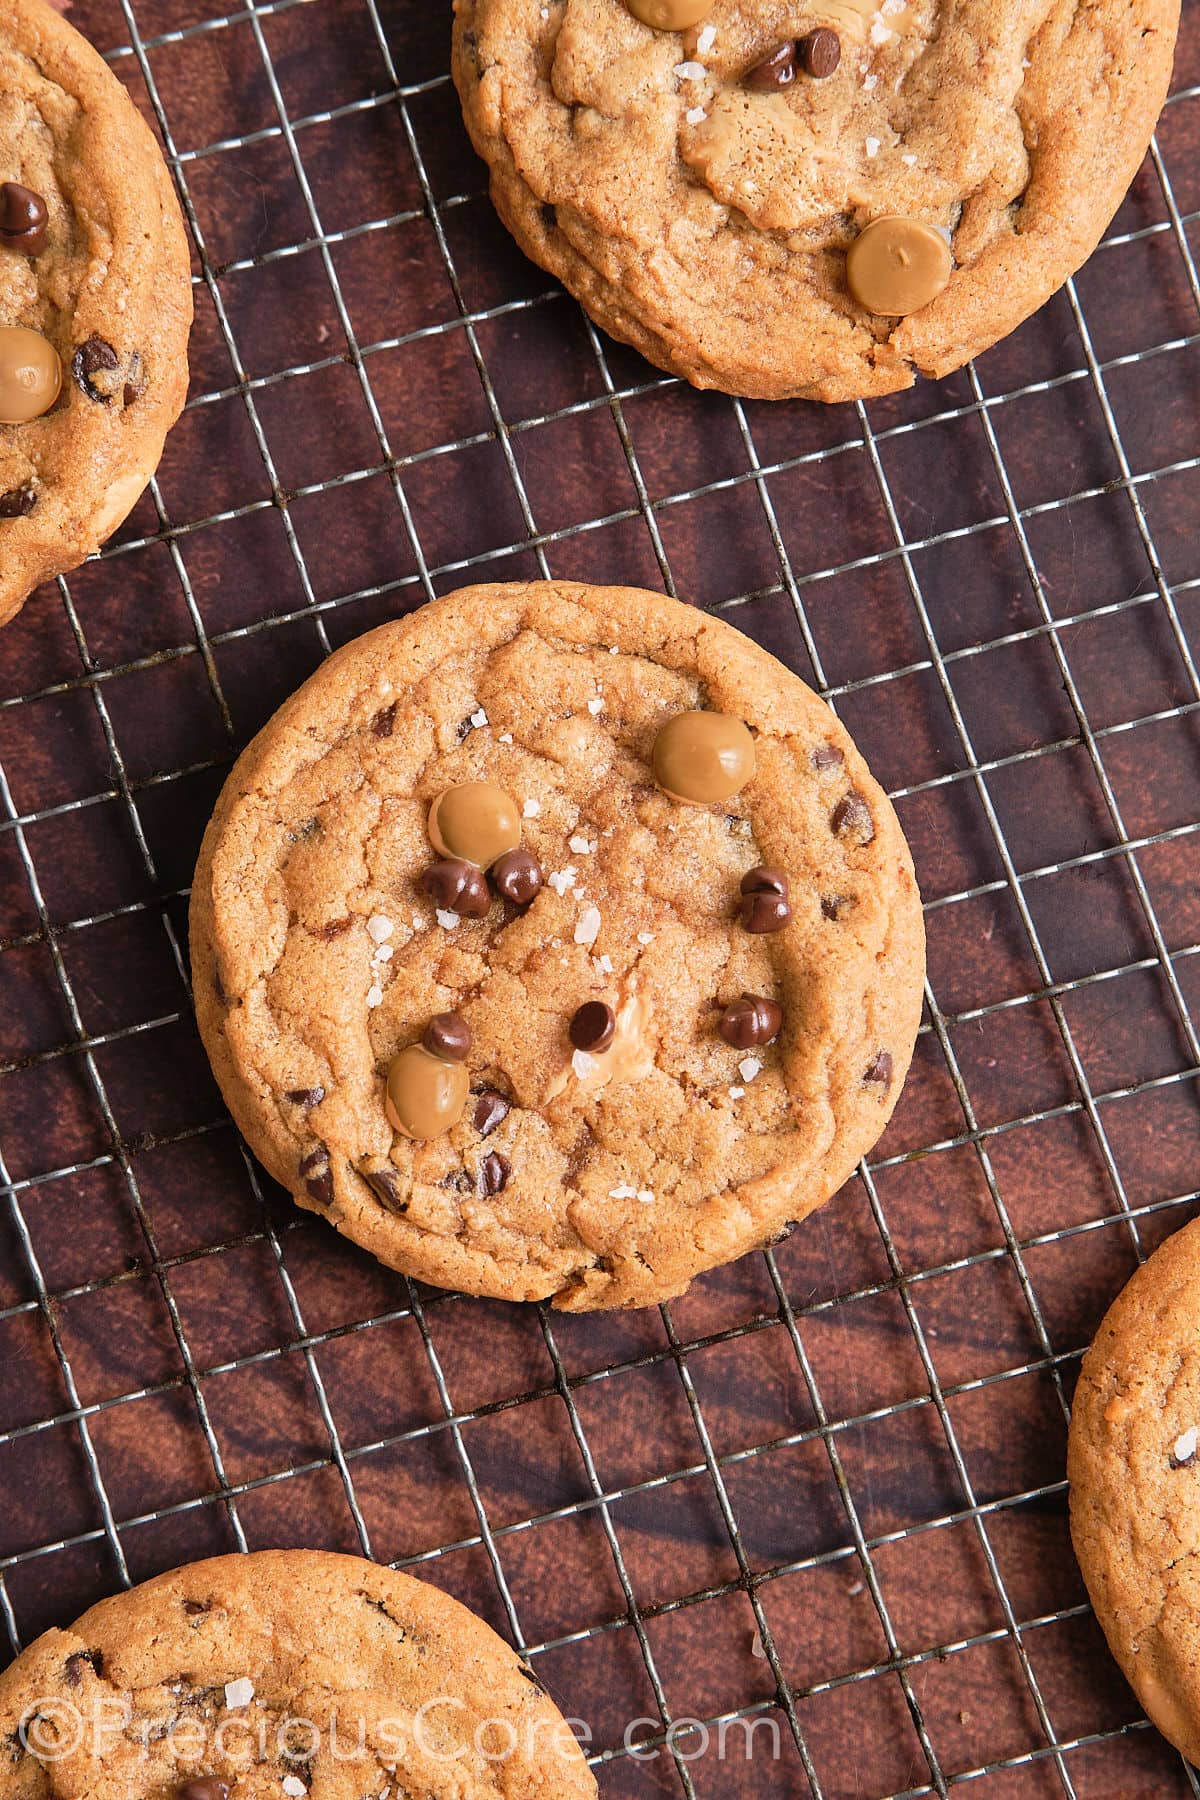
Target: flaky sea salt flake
{"x": 690, "y": 71}
{"x": 374, "y": 995}
{"x": 531, "y": 809}
{"x": 239, "y": 1693}
{"x": 479, "y": 718}
{"x": 623, "y": 1192}
{"x": 587, "y": 926}
{"x": 582, "y": 1063}
{"x": 447, "y": 920}
{"x": 293, "y": 1787}
{"x": 580, "y": 845}
{"x": 706, "y": 40}
{"x": 379, "y": 928}
{"x": 596, "y": 704}
{"x": 562, "y": 879}
{"x": 749, "y": 1067}
{"x": 1185, "y": 1446}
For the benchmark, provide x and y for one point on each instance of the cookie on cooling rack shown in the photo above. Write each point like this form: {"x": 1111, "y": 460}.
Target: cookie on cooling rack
{"x": 819, "y": 200}
{"x": 555, "y": 940}
{"x": 95, "y": 301}
{"x": 1134, "y": 1468}
{"x": 282, "y": 1672}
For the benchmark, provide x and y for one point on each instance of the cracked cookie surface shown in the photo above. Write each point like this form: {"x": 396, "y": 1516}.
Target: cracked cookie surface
{"x": 707, "y": 221}
{"x": 111, "y": 291}
{"x": 606, "y": 1182}
{"x": 1134, "y": 1472}
{"x": 281, "y": 1673}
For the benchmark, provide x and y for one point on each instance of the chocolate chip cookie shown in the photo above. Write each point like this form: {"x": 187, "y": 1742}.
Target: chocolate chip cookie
{"x": 286, "y": 1672}
{"x": 95, "y": 301}
{"x": 555, "y": 940}
{"x": 819, "y": 200}
{"x": 1134, "y": 1468}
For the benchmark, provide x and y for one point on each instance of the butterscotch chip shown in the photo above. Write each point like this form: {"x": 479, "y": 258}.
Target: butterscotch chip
{"x": 427, "y": 1092}
{"x": 897, "y": 266}
{"x": 597, "y": 1069}
{"x": 1135, "y": 1484}
{"x": 475, "y": 821}
{"x": 699, "y": 194}
{"x": 30, "y": 375}
{"x": 670, "y": 15}
{"x": 92, "y": 250}
{"x": 282, "y": 1673}
{"x": 703, "y": 757}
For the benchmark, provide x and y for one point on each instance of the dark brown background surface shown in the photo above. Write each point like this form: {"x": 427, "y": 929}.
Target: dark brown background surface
{"x": 995, "y": 579}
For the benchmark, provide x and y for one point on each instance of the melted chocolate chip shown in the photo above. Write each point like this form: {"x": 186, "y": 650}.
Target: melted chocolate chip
{"x": 491, "y": 1109}
{"x": 763, "y": 913}
{"x": 196, "y": 1609}
{"x": 879, "y": 1069}
{"x": 764, "y": 880}
{"x": 494, "y": 1172}
{"x": 91, "y": 359}
{"x": 317, "y": 1176}
{"x": 135, "y": 380}
{"x": 384, "y": 722}
{"x": 828, "y": 756}
{"x": 851, "y": 818}
{"x": 749, "y": 1021}
{"x": 19, "y": 502}
{"x": 778, "y": 70}
{"x": 386, "y": 1188}
{"x": 449, "y": 1036}
{"x": 306, "y": 1097}
{"x": 78, "y": 1661}
{"x": 819, "y": 53}
{"x": 23, "y": 219}
{"x": 457, "y": 887}
{"x": 208, "y": 1789}
{"x": 594, "y": 1026}
{"x": 335, "y": 929}
{"x": 833, "y": 905}
{"x": 518, "y": 877}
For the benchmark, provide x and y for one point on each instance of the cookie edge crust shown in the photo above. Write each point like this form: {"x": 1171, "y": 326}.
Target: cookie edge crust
{"x": 736, "y": 1221}
{"x": 154, "y": 261}
{"x": 1166, "y": 1684}
{"x": 469, "y": 1643}
{"x": 1008, "y": 283}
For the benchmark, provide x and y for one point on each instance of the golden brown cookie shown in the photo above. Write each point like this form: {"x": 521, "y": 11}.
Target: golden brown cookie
{"x": 1134, "y": 1470}
{"x": 282, "y": 1673}
{"x": 95, "y": 301}
{"x": 618, "y": 1131}
{"x": 701, "y": 190}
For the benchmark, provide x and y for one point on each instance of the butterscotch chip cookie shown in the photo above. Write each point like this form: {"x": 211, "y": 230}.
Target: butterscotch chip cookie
{"x": 1134, "y": 1471}
{"x": 702, "y": 190}
{"x": 95, "y": 301}
{"x": 600, "y": 1117}
{"x": 283, "y": 1673}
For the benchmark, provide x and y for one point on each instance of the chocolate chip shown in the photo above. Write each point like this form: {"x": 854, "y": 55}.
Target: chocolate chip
{"x": 819, "y": 53}
{"x": 457, "y": 887}
{"x": 764, "y": 913}
{"x": 23, "y": 219}
{"x": 833, "y": 905}
{"x": 491, "y": 1109}
{"x": 749, "y": 1021}
{"x": 78, "y": 1661}
{"x": 764, "y": 880}
{"x": 196, "y": 1609}
{"x": 135, "y": 380}
{"x": 1181, "y": 1462}
{"x": 594, "y": 1026}
{"x": 494, "y": 1172}
{"x": 852, "y": 818}
{"x": 384, "y": 722}
{"x": 92, "y": 359}
{"x": 317, "y": 1177}
{"x": 19, "y": 502}
{"x": 208, "y": 1789}
{"x": 880, "y": 1068}
{"x": 518, "y": 877}
{"x": 449, "y": 1036}
{"x": 828, "y": 756}
{"x": 306, "y": 1097}
{"x": 775, "y": 71}
{"x": 386, "y": 1188}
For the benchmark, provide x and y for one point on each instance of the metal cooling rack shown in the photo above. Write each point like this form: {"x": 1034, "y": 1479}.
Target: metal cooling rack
{"x": 1055, "y": 1758}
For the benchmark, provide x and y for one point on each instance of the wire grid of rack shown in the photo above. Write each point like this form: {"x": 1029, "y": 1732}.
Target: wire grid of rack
{"x": 825, "y": 1489}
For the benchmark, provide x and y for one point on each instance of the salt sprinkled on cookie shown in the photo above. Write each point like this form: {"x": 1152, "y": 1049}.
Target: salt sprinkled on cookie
{"x": 1185, "y": 1446}
{"x": 239, "y": 1693}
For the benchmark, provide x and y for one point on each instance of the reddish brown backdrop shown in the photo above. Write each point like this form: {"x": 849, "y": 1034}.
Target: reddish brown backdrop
{"x": 854, "y": 1447}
